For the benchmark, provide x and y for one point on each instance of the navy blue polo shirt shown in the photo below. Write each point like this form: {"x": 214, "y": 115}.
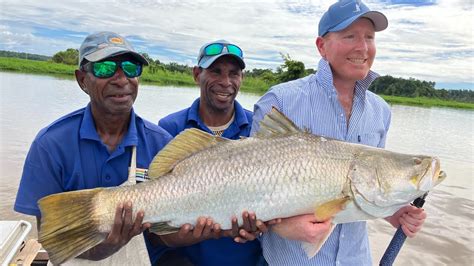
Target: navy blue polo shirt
{"x": 189, "y": 118}
{"x": 69, "y": 155}
{"x": 223, "y": 251}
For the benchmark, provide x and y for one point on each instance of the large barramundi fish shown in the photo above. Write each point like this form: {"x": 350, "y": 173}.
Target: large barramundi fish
{"x": 281, "y": 172}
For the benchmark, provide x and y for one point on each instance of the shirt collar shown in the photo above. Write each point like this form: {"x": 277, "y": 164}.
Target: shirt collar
{"x": 324, "y": 75}
{"x": 240, "y": 117}
{"x": 88, "y": 131}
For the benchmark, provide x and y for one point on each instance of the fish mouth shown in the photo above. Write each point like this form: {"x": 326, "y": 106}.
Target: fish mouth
{"x": 438, "y": 174}
{"x": 427, "y": 182}
{"x": 441, "y": 176}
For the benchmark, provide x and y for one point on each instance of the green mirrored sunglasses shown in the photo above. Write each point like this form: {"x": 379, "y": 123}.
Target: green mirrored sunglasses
{"x": 106, "y": 69}
{"x": 218, "y": 48}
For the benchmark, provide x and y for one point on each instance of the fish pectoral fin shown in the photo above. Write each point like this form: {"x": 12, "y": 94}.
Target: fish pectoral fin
{"x": 182, "y": 146}
{"x": 163, "y": 228}
{"x": 311, "y": 249}
{"x": 328, "y": 209}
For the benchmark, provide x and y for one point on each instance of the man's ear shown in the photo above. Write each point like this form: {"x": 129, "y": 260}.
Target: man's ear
{"x": 80, "y": 76}
{"x": 320, "y": 44}
{"x": 196, "y": 71}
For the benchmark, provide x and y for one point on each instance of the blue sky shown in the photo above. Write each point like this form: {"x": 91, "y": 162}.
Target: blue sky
{"x": 426, "y": 39}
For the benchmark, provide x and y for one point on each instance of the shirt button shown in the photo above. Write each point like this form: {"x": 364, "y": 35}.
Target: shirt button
{"x": 337, "y": 262}
{"x": 107, "y": 177}
{"x": 342, "y": 114}
{"x": 342, "y": 235}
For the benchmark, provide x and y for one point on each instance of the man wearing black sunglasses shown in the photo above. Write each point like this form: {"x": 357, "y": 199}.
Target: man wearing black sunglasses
{"x": 93, "y": 146}
{"x": 219, "y": 76}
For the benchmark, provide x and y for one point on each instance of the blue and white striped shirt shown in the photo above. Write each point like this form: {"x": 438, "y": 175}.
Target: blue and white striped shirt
{"x": 311, "y": 102}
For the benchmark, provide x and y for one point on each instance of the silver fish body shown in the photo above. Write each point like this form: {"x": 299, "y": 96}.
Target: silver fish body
{"x": 278, "y": 177}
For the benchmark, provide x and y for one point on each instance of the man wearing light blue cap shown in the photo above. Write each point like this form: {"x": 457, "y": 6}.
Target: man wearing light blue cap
{"x": 219, "y": 75}
{"x": 334, "y": 102}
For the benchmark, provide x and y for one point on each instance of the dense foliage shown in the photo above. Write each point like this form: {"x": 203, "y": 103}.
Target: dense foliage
{"x": 388, "y": 85}
{"x": 68, "y": 57}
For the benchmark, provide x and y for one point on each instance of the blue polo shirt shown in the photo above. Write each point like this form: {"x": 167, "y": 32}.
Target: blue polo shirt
{"x": 223, "y": 251}
{"x": 189, "y": 118}
{"x": 69, "y": 155}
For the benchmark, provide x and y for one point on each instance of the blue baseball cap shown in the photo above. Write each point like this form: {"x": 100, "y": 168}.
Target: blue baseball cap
{"x": 227, "y": 49}
{"x": 343, "y": 13}
{"x": 101, "y": 45}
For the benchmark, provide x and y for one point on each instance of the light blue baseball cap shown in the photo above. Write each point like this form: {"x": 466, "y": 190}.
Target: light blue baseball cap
{"x": 224, "y": 48}
{"x": 343, "y": 13}
{"x": 105, "y": 44}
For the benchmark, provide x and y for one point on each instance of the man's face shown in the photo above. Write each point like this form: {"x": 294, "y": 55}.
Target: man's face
{"x": 110, "y": 96}
{"x": 219, "y": 83}
{"x": 350, "y": 52}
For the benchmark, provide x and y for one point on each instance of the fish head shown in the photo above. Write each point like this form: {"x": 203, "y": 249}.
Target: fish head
{"x": 383, "y": 183}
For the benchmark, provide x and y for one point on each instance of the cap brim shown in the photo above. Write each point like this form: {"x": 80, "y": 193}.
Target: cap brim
{"x": 113, "y": 51}
{"x": 378, "y": 19}
{"x": 207, "y": 61}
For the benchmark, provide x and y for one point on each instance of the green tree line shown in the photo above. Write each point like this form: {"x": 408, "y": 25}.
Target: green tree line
{"x": 388, "y": 85}
{"x": 290, "y": 69}
{"x": 24, "y": 55}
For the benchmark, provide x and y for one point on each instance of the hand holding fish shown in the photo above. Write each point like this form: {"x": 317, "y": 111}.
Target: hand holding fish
{"x": 189, "y": 235}
{"x": 206, "y": 229}
{"x": 123, "y": 230}
{"x": 252, "y": 227}
{"x": 410, "y": 218}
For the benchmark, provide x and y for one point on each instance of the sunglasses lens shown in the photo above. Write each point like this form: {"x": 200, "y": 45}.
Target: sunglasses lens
{"x": 107, "y": 69}
{"x": 234, "y": 50}
{"x": 104, "y": 69}
{"x": 213, "y": 49}
{"x": 131, "y": 70}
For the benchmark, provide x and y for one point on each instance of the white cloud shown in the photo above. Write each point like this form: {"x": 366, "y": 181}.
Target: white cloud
{"x": 433, "y": 42}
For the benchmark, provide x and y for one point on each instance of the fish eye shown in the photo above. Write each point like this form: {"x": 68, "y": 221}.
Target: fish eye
{"x": 417, "y": 160}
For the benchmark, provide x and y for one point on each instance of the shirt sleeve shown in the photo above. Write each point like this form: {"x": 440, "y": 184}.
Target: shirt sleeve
{"x": 387, "y": 120}
{"x": 41, "y": 177}
{"x": 263, "y": 107}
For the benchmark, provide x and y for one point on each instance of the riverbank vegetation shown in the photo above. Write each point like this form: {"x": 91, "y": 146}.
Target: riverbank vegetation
{"x": 393, "y": 90}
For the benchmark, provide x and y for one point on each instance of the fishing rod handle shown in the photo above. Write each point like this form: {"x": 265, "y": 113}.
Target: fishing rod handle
{"x": 399, "y": 238}
{"x": 393, "y": 248}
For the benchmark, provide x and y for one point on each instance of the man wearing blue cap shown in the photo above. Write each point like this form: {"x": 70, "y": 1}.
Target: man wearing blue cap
{"x": 219, "y": 76}
{"x": 96, "y": 146}
{"x": 334, "y": 102}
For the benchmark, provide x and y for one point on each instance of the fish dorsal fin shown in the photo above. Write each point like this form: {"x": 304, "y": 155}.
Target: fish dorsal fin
{"x": 275, "y": 123}
{"x": 182, "y": 146}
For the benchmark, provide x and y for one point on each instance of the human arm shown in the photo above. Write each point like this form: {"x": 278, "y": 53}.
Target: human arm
{"x": 304, "y": 228}
{"x": 410, "y": 218}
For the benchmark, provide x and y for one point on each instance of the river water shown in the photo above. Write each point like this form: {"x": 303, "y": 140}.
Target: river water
{"x": 30, "y": 102}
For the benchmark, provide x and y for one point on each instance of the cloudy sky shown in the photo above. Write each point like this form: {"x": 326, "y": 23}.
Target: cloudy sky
{"x": 426, "y": 39}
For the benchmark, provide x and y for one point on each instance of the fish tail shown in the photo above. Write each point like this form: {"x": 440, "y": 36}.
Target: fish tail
{"x": 69, "y": 226}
